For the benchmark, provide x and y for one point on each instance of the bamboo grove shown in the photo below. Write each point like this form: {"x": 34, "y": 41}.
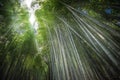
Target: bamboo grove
{"x": 59, "y": 40}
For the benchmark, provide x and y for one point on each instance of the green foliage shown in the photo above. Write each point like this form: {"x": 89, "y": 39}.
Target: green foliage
{"x": 18, "y": 48}
{"x": 27, "y": 53}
